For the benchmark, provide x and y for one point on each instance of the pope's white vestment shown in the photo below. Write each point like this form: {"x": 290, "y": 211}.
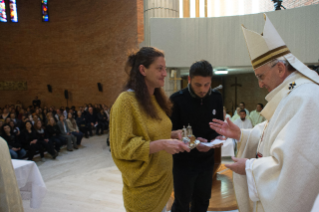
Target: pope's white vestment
{"x": 10, "y": 198}
{"x": 285, "y": 176}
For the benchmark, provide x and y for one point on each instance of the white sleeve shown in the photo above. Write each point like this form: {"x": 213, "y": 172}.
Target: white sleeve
{"x": 253, "y": 194}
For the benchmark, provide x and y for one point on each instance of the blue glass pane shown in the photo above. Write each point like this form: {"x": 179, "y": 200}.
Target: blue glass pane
{"x": 13, "y": 11}
{"x": 3, "y": 14}
{"x": 45, "y": 15}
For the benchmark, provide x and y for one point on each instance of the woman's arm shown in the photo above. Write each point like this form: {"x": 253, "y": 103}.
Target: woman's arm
{"x": 171, "y": 146}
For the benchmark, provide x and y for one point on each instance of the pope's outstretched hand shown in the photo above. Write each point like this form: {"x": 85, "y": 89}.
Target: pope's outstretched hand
{"x": 228, "y": 129}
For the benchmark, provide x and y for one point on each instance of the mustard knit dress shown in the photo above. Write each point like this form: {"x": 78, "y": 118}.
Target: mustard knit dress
{"x": 147, "y": 179}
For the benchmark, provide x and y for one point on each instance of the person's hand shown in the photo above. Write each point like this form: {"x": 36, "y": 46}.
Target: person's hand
{"x": 177, "y": 134}
{"x": 238, "y": 166}
{"x": 201, "y": 147}
{"x": 15, "y": 149}
{"x": 46, "y": 140}
{"x": 173, "y": 146}
{"x": 33, "y": 142}
{"x": 228, "y": 129}
{"x": 18, "y": 133}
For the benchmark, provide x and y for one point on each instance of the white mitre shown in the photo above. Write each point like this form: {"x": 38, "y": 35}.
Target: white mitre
{"x": 268, "y": 46}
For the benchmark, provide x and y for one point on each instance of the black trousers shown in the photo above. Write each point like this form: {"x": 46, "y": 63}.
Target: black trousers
{"x": 40, "y": 146}
{"x": 84, "y": 129}
{"x": 192, "y": 186}
{"x": 57, "y": 142}
{"x": 43, "y": 145}
{"x": 97, "y": 128}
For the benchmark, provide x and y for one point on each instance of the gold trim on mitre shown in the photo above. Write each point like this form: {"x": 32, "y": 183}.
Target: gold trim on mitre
{"x": 270, "y": 55}
{"x": 264, "y": 47}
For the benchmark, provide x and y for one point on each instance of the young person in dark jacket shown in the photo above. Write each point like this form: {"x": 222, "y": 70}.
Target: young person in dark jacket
{"x": 16, "y": 151}
{"x": 44, "y": 141}
{"x": 29, "y": 140}
{"x": 54, "y": 134}
{"x": 102, "y": 119}
{"x": 196, "y": 106}
{"x": 81, "y": 122}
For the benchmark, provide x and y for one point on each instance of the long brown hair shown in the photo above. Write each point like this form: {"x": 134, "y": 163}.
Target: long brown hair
{"x": 146, "y": 56}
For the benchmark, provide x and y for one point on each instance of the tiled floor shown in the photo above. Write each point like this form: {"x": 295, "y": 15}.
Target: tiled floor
{"x": 85, "y": 180}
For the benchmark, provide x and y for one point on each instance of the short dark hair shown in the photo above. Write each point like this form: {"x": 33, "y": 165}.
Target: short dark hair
{"x": 201, "y": 68}
{"x": 243, "y": 111}
{"x": 261, "y": 105}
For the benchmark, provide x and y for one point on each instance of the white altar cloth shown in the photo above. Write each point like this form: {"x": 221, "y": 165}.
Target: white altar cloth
{"x": 30, "y": 182}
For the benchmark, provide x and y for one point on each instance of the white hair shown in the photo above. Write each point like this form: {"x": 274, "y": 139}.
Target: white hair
{"x": 282, "y": 60}
{"x": 273, "y": 62}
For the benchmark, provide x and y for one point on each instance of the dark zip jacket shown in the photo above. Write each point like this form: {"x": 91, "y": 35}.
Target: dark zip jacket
{"x": 188, "y": 108}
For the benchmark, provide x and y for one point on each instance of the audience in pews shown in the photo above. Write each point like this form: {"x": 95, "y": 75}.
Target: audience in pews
{"x": 34, "y": 129}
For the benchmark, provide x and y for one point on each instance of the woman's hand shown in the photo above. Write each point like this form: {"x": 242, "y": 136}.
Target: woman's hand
{"x": 177, "y": 134}
{"x": 228, "y": 129}
{"x": 173, "y": 146}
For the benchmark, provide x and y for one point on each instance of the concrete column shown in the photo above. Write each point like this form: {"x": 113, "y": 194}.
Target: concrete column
{"x": 158, "y": 9}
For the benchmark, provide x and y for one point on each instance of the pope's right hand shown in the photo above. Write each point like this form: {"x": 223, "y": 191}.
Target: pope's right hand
{"x": 228, "y": 129}
{"x": 173, "y": 146}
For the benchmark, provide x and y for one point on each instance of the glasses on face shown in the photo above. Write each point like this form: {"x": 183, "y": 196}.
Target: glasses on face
{"x": 260, "y": 77}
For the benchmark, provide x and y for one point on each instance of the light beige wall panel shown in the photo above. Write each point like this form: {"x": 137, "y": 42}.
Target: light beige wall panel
{"x": 220, "y": 40}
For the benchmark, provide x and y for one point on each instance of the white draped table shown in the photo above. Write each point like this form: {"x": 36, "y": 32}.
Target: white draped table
{"x": 228, "y": 148}
{"x": 30, "y": 182}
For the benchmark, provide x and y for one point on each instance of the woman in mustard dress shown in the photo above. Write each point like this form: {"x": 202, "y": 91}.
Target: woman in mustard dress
{"x": 141, "y": 139}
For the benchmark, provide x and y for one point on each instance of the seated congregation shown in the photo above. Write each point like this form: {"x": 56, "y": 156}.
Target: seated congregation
{"x": 36, "y": 130}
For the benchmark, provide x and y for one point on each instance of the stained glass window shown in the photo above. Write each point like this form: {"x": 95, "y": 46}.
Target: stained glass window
{"x": 13, "y": 11}
{"x": 45, "y": 14}
{"x": 3, "y": 14}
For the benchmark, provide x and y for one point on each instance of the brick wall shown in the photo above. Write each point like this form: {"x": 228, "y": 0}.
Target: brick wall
{"x": 84, "y": 43}
{"x": 140, "y": 20}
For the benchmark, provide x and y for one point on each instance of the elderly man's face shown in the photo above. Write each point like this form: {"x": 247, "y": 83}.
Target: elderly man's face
{"x": 268, "y": 77}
